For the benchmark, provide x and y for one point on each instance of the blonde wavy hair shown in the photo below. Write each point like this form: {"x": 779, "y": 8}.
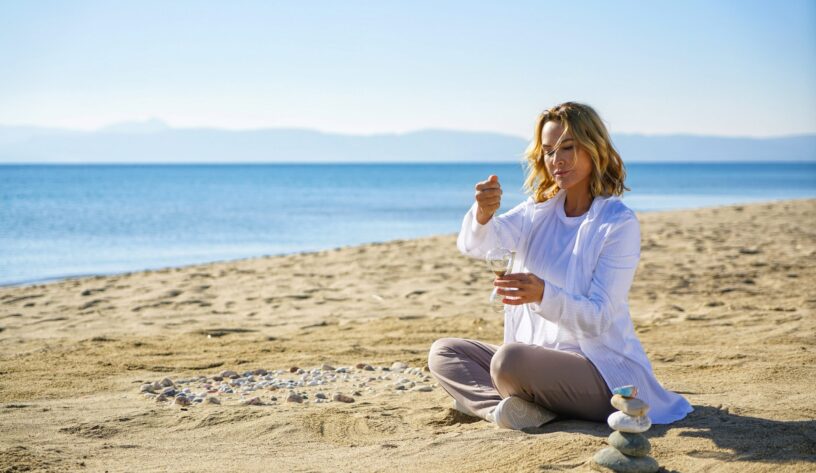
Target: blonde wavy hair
{"x": 590, "y": 134}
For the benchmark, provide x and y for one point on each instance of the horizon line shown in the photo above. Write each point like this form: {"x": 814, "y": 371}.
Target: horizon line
{"x": 169, "y": 127}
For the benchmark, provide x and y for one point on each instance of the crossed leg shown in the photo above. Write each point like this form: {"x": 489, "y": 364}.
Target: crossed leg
{"x": 479, "y": 375}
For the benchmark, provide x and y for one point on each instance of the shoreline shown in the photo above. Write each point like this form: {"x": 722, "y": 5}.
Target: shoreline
{"x": 69, "y": 277}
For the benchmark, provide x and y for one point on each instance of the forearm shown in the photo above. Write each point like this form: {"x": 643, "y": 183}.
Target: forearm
{"x": 475, "y": 237}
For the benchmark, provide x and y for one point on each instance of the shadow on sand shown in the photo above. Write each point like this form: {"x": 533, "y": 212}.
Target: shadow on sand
{"x": 744, "y": 438}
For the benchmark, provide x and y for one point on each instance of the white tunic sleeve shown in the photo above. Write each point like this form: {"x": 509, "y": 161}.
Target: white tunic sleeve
{"x": 589, "y": 316}
{"x": 502, "y": 230}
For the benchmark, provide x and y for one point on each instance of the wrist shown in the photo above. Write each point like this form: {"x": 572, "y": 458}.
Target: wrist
{"x": 482, "y": 217}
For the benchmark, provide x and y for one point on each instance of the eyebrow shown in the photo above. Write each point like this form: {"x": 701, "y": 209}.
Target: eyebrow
{"x": 563, "y": 142}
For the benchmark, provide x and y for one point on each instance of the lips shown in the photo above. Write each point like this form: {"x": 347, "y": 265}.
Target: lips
{"x": 562, "y": 173}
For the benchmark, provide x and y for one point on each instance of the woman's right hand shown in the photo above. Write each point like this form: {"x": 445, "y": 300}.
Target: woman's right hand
{"x": 488, "y": 198}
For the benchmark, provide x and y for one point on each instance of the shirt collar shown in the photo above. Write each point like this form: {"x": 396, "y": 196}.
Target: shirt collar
{"x": 594, "y": 210}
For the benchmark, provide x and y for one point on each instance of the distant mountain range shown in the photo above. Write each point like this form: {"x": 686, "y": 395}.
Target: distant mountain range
{"x": 153, "y": 141}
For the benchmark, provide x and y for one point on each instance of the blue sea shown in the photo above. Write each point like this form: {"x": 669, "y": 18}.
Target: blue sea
{"x": 60, "y": 221}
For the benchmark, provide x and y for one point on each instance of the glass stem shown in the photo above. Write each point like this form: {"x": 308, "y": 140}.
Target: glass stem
{"x": 493, "y": 295}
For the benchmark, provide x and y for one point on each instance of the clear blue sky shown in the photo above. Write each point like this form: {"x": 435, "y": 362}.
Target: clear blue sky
{"x": 735, "y": 68}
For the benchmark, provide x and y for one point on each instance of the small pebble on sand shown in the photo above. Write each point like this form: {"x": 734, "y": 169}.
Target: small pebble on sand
{"x": 182, "y": 401}
{"x": 254, "y": 401}
{"x": 232, "y": 387}
{"x": 340, "y": 397}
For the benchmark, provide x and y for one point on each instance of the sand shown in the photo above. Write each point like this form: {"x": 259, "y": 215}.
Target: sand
{"x": 722, "y": 301}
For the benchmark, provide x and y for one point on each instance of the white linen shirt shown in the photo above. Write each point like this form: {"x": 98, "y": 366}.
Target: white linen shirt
{"x": 587, "y": 264}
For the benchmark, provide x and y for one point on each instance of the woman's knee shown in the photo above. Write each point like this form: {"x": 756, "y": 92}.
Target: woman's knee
{"x": 508, "y": 361}
{"x": 439, "y": 348}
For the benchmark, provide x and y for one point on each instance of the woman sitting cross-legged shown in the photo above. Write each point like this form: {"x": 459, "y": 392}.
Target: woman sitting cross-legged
{"x": 568, "y": 334}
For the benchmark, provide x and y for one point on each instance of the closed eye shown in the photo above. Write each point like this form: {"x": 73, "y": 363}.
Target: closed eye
{"x": 552, "y": 152}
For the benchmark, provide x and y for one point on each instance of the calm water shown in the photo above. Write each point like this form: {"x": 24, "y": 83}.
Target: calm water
{"x": 58, "y": 221}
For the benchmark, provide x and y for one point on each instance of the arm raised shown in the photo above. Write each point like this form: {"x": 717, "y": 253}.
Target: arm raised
{"x": 502, "y": 230}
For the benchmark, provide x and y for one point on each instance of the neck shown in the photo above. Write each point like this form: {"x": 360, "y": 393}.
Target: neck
{"x": 577, "y": 202}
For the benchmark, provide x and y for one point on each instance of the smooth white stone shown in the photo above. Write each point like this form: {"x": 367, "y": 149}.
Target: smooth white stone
{"x": 398, "y": 366}
{"x": 625, "y": 423}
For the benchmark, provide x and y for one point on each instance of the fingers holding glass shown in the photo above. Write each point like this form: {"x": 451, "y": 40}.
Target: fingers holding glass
{"x": 520, "y": 288}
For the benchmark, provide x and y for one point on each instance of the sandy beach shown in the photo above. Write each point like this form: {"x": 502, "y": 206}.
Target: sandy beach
{"x": 722, "y": 301}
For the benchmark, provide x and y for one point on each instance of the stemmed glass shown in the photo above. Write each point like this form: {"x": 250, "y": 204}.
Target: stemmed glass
{"x": 500, "y": 261}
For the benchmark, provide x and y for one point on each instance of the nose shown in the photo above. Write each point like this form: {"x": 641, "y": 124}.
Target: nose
{"x": 558, "y": 157}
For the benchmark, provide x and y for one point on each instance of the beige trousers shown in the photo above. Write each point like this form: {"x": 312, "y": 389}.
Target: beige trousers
{"x": 479, "y": 375}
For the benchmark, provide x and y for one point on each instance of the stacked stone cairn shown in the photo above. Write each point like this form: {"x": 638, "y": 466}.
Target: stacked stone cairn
{"x": 629, "y": 449}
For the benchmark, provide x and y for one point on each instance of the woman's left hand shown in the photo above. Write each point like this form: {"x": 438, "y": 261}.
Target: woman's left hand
{"x": 520, "y": 288}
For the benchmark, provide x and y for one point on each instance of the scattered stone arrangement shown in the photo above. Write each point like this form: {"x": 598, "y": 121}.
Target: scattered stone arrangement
{"x": 629, "y": 449}
{"x": 249, "y": 387}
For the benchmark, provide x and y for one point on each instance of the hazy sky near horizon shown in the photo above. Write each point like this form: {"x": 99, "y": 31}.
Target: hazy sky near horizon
{"x": 734, "y": 68}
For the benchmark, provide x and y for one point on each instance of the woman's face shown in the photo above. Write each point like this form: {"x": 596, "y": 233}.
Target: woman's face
{"x": 568, "y": 157}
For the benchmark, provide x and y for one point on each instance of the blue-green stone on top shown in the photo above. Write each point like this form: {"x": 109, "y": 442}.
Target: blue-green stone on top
{"x": 625, "y": 391}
